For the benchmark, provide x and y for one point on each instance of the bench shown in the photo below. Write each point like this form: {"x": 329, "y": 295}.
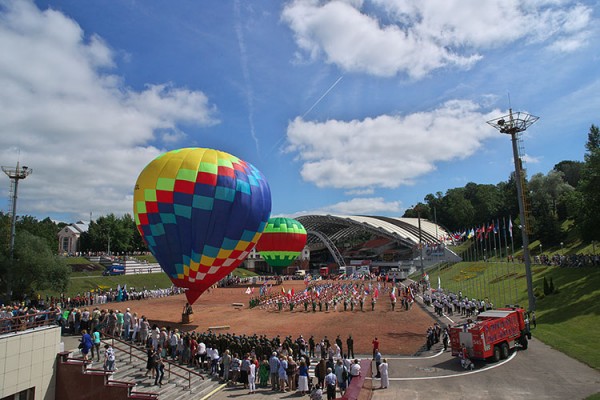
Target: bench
{"x": 216, "y": 328}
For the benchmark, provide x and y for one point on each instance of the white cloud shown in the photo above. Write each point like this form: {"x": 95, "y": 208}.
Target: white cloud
{"x": 416, "y": 37}
{"x": 85, "y": 134}
{"x": 356, "y": 206}
{"x": 359, "y": 192}
{"x": 528, "y": 159}
{"x": 387, "y": 151}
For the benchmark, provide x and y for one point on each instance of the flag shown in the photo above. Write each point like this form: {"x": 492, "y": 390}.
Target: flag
{"x": 282, "y": 290}
{"x": 376, "y": 293}
{"x": 510, "y": 226}
{"x": 471, "y": 233}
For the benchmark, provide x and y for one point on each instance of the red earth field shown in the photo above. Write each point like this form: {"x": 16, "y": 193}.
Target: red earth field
{"x": 399, "y": 332}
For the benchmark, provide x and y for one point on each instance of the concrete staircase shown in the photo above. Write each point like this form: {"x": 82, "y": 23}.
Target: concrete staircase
{"x": 179, "y": 381}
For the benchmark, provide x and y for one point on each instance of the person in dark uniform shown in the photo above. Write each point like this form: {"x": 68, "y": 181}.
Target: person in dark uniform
{"x": 350, "y": 346}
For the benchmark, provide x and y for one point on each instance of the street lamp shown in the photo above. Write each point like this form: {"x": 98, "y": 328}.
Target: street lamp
{"x": 420, "y": 241}
{"x": 513, "y": 124}
{"x": 541, "y": 249}
{"x": 15, "y": 174}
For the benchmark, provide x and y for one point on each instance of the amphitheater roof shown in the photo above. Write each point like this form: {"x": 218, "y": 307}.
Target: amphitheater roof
{"x": 403, "y": 230}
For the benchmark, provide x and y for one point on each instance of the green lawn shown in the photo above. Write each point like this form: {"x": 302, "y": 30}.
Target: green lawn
{"x": 82, "y": 282}
{"x": 567, "y": 320}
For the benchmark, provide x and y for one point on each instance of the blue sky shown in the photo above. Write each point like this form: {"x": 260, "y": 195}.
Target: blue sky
{"x": 347, "y": 107}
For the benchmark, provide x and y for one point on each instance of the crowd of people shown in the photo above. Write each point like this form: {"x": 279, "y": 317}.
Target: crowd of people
{"x": 279, "y": 363}
{"x": 568, "y": 261}
{"x": 105, "y": 296}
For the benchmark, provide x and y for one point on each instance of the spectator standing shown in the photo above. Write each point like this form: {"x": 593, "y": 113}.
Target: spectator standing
{"x": 330, "y": 382}
{"x": 383, "y": 370}
{"x": 109, "y": 358}
{"x": 159, "y": 367}
{"x": 303, "y": 378}
{"x": 252, "y": 377}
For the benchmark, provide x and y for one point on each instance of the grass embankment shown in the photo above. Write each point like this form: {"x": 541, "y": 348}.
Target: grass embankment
{"x": 567, "y": 320}
{"x": 82, "y": 282}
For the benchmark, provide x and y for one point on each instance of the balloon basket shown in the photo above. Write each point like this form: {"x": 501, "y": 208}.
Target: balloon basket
{"x": 186, "y": 318}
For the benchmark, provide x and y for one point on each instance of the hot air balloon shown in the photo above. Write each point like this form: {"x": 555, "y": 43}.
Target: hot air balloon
{"x": 200, "y": 211}
{"x": 281, "y": 242}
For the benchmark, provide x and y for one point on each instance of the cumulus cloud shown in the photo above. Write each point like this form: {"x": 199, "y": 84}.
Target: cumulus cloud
{"x": 356, "y": 206}
{"x": 387, "y": 151}
{"x": 387, "y": 37}
{"x": 85, "y": 134}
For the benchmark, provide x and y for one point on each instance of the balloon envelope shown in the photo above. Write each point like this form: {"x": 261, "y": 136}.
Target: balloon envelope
{"x": 281, "y": 242}
{"x": 200, "y": 211}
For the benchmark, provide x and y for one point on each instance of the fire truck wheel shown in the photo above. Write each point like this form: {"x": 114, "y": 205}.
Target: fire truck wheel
{"x": 496, "y": 356}
{"x": 504, "y": 351}
{"x": 523, "y": 342}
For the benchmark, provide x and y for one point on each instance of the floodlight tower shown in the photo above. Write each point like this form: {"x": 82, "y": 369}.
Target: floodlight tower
{"x": 15, "y": 175}
{"x": 513, "y": 124}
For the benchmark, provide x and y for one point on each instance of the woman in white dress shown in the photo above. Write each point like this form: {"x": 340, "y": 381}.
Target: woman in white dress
{"x": 383, "y": 370}
{"x": 303, "y": 378}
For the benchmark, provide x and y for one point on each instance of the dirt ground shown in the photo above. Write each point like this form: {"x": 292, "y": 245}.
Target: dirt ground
{"x": 399, "y": 332}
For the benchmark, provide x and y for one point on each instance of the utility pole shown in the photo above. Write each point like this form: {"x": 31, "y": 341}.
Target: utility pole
{"x": 15, "y": 175}
{"x": 513, "y": 124}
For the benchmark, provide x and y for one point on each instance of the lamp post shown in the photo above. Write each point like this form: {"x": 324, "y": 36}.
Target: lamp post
{"x": 15, "y": 175}
{"x": 420, "y": 241}
{"x": 513, "y": 124}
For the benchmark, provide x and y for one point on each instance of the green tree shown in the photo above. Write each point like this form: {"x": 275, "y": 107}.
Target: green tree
{"x": 588, "y": 217}
{"x": 546, "y": 192}
{"x": 34, "y": 268}
{"x": 45, "y": 229}
{"x": 119, "y": 235}
{"x": 571, "y": 171}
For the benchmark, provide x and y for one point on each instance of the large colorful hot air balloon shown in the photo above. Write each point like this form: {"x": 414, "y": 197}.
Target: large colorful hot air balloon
{"x": 281, "y": 242}
{"x": 200, "y": 211}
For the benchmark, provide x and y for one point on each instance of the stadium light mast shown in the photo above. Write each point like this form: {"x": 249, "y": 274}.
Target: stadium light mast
{"x": 512, "y": 124}
{"x": 15, "y": 175}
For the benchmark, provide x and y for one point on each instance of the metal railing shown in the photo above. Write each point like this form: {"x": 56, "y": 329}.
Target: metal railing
{"x": 170, "y": 367}
{"x": 27, "y": 321}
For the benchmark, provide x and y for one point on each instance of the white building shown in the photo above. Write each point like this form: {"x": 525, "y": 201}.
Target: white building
{"x": 68, "y": 237}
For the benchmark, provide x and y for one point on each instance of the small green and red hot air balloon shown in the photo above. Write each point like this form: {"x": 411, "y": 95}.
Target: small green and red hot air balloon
{"x": 281, "y": 242}
{"x": 201, "y": 211}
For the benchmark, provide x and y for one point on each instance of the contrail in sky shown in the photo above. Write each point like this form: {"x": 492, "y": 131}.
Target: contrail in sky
{"x": 313, "y": 106}
{"x": 323, "y": 96}
{"x": 245, "y": 72}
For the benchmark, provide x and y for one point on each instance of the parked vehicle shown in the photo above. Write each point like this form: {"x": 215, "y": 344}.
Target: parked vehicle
{"x": 493, "y": 335}
{"x": 114, "y": 270}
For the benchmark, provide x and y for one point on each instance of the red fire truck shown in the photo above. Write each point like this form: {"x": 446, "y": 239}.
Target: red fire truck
{"x": 492, "y": 335}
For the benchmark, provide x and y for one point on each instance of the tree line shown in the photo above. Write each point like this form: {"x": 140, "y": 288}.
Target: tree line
{"x": 569, "y": 192}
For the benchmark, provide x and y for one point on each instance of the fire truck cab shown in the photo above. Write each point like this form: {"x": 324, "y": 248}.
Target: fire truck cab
{"x": 492, "y": 335}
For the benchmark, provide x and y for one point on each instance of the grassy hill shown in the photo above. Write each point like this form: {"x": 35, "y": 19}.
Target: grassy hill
{"x": 567, "y": 320}
{"x": 85, "y": 281}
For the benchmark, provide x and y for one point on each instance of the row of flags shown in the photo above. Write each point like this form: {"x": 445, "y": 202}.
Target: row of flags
{"x": 483, "y": 231}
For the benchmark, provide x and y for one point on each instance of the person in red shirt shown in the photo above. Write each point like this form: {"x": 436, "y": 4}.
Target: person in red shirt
{"x": 375, "y": 347}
